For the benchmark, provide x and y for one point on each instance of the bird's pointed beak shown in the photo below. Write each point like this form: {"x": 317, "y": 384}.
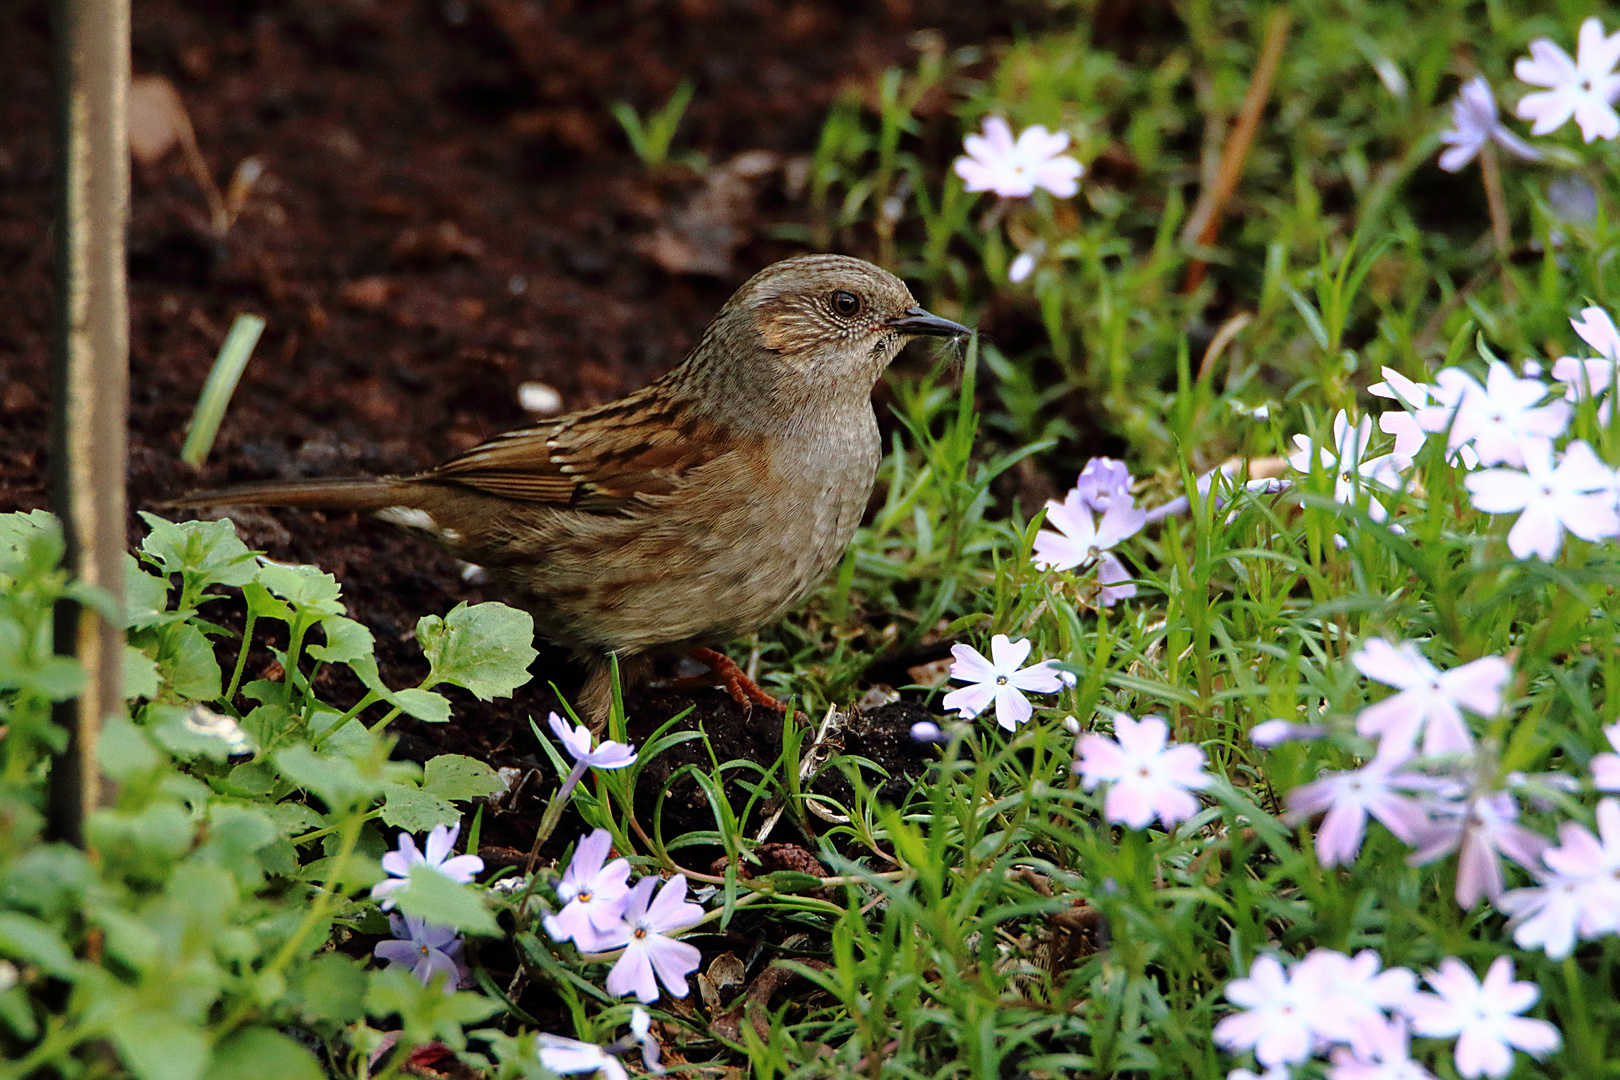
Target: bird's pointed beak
{"x": 920, "y": 323}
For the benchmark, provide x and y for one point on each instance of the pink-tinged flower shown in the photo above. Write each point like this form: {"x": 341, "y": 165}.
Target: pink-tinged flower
{"x": 441, "y": 841}
{"x": 1430, "y": 701}
{"x": 1353, "y": 472}
{"x": 1579, "y": 894}
{"x": 426, "y": 949}
{"x": 1431, "y": 410}
{"x": 1546, "y": 916}
{"x": 1483, "y": 1017}
{"x": 1584, "y": 88}
{"x": 1269, "y": 733}
{"x": 593, "y": 893}
{"x": 1480, "y": 828}
{"x": 1013, "y": 170}
{"x": 1350, "y": 797}
{"x": 651, "y": 955}
{"x": 1384, "y": 1052}
{"x": 1276, "y": 1018}
{"x": 1504, "y": 420}
{"x": 1352, "y": 993}
{"x": 1576, "y": 497}
{"x": 1474, "y": 122}
{"x": 1096, "y": 515}
{"x": 1001, "y": 680}
{"x": 1591, "y": 378}
{"x": 570, "y": 1057}
{"x": 1606, "y": 766}
{"x": 1147, "y": 777}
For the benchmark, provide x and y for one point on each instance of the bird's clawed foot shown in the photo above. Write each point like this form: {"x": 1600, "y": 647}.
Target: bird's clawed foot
{"x": 723, "y": 670}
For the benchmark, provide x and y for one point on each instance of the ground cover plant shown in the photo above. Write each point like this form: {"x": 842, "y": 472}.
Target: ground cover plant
{"x": 1276, "y": 743}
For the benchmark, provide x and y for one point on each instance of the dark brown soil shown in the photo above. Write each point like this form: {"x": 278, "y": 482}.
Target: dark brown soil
{"x": 447, "y": 210}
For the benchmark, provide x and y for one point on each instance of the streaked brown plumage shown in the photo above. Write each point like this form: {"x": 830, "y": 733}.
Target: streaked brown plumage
{"x": 695, "y": 510}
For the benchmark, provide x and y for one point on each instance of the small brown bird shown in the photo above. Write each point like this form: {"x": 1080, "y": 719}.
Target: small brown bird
{"x": 693, "y": 511}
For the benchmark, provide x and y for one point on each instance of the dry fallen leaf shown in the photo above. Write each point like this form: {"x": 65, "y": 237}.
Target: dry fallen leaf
{"x": 725, "y": 974}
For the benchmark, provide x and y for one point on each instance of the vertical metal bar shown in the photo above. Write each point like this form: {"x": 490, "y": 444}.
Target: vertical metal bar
{"x": 91, "y": 375}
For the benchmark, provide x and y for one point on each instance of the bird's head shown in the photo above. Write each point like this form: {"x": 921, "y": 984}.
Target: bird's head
{"x": 820, "y": 328}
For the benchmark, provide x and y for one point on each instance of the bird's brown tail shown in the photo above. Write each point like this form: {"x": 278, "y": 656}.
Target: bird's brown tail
{"x": 362, "y": 493}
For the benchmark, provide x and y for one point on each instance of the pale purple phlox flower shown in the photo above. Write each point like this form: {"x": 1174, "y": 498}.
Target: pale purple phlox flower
{"x": 426, "y": 949}
{"x": 1094, "y": 517}
{"x": 1377, "y": 790}
{"x": 593, "y": 893}
{"x": 1474, "y": 122}
{"x": 651, "y": 954}
{"x": 1480, "y": 827}
{"x": 441, "y": 841}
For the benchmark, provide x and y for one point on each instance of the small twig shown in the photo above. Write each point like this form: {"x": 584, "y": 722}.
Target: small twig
{"x": 1229, "y": 330}
{"x": 1212, "y": 201}
{"x": 1490, "y": 171}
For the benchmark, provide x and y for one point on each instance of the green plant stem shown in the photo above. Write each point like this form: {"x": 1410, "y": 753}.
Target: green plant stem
{"x": 241, "y": 656}
{"x": 317, "y": 911}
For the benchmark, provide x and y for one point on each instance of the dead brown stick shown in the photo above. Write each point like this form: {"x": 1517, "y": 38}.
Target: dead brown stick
{"x": 91, "y": 377}
{"x": 1204, "y": 223}
{"x": 1490, "y": 171}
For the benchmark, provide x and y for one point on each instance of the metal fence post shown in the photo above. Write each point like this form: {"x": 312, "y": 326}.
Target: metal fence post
{"x": 91, "y": 375}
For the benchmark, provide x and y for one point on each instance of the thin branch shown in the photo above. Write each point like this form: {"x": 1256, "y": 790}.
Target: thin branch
{"x": 1211, "y": 205}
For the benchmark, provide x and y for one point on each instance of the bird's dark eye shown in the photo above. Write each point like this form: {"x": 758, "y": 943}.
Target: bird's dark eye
{"x": 844, "y": 302}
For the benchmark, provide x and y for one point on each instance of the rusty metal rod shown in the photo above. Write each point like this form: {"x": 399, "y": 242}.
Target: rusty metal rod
{"x": 91, "y": 377}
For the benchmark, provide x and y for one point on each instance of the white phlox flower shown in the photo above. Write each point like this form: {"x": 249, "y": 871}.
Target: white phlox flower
{"x": 1000, "y": 680}
{"x": 570, "y": 1057}
{"x": 1584, "y": 88}
{"x": 441, "y": 842}
{"x": 1504, "y": 419}
{"x": 1014, "y": 169}
{"x": 1583, "y": 378}
{"x": 1577, "y": 496}
{"x": 1578, "y": 895}
{"x": 1275, "y": 1021}
{"x": 1606, "y": 766}
{"x": 1347, "y": 461}
{"x": 1482, "y": 1016}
